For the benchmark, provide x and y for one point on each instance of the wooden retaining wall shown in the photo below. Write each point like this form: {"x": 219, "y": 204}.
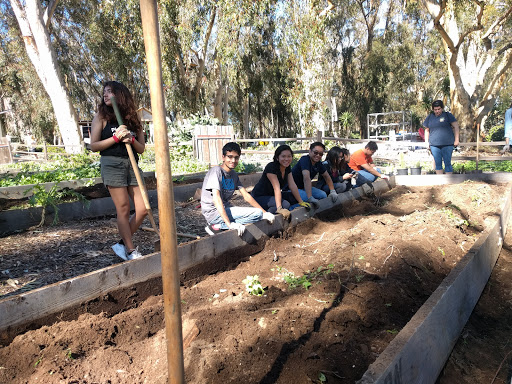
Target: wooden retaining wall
{"x": 420, "y": 350}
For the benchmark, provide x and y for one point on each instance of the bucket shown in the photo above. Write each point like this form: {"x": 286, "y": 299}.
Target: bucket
{"x": 402, "y": 171}
{"x": 416, "y": 171}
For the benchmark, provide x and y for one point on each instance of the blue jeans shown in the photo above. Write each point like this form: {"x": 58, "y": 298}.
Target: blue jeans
{"x": 268, "y": 203}
{"x": 315, "y": 192}
{"x": 338, "y": 187}
{"x": 364, "y": 177}
{"x": 242, "y": 215}
{"x": 442, "y": 153}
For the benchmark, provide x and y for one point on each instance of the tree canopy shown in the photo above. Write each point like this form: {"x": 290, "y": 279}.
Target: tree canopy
{"x": 270, "y": 68}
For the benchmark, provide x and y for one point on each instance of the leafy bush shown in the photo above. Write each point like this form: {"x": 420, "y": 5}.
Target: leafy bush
{"x": 247, "y": 167}
{"x": 492, "y": 166}
{"x": 496, "y": 133}
{"x": 51, "y": 198}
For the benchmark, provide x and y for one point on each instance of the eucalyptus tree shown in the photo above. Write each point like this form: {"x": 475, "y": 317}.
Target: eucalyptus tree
{"x": 21, "y": 92}
{"x": 34, "y": 24}
{"x": 477, "y": 48}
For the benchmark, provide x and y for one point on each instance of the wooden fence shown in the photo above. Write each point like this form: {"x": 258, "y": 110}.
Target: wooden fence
{"x": 208, "y": 142}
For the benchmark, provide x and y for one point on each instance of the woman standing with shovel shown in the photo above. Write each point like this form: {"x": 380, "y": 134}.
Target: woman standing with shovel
{"x": 110, "y": 139}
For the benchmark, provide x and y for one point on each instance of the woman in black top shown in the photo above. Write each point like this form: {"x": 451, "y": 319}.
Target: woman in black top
{"x": 337, "y": 167}
{"x": 277, "y": 174}
{"x": 110, "y": 140}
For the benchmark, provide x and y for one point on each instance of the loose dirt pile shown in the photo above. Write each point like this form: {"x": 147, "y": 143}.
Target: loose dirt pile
{"x": 339, "y": 288}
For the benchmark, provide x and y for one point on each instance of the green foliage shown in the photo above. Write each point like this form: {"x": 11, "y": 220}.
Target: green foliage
{"x": 53, "y": 197}
{"x": 64, "y": 168}
{"x": 490, "y": 166}
{"x": 305, "y": 280}
{"x": 247, "y": 168}
{"x": 496, "y": 133}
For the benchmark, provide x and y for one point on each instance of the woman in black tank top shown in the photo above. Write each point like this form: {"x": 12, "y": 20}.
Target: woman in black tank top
{"x": 110, "y": 140}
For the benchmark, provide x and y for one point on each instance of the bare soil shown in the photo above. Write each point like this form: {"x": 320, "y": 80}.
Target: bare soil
{"x": 360, "y": 275}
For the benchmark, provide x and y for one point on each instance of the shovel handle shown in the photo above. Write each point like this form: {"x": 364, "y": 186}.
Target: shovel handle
{"x": 135, "y": 167}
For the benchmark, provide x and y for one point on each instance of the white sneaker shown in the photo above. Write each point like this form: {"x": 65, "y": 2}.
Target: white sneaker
{"x": 135, "y": 254}
{"x": 120, "y": 251}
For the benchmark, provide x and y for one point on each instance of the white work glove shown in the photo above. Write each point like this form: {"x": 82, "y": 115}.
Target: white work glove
{"x": 333, "y": 195}
{"x": 269, "y": 217}
{"x": 314, "y": 202}
{"x": 240, "y": 228}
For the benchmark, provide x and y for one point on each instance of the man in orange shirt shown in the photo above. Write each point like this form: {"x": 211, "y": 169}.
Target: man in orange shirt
{"x": 362, "y": 162}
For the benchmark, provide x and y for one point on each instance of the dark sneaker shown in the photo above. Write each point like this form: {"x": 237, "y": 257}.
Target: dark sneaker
{"x": 213, "y": 229}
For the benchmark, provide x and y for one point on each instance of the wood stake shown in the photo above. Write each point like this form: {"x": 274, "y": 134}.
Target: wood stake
{"x": 168, "y": 239}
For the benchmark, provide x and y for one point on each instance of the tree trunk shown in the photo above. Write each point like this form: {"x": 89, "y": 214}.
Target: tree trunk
{"x": 43, "y": 57}
{"x": 246, "y": 117}
{"x": 477, "y": 66}
{"x": 225, "y": 110}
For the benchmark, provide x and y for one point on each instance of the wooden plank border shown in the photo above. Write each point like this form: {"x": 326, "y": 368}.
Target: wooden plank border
{"x": 420, "y": 350}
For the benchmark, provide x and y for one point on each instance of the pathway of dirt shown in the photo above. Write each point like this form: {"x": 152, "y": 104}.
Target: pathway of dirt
{"x": 338, "y": 289}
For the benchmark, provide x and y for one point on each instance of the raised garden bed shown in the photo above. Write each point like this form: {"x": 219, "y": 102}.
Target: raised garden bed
{"x": 372, "y": 265}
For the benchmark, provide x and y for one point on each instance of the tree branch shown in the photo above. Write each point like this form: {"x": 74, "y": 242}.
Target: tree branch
{"x": 477, "y": 27}
{"x": 49, "y": 11}
{"x": 492, "y": 28}
{"x": 202, "y": 62}
{"x": 500, "y": 76}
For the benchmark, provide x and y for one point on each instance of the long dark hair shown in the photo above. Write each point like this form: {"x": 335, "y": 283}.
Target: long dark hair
{"x": 280, "y": 150}
{"x": 126, "y": 105}
{"x": 333, "y": 157}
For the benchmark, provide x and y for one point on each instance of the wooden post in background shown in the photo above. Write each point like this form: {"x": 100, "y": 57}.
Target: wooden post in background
{"x": 168, "y": 239}
{"x": 477, "y": 144}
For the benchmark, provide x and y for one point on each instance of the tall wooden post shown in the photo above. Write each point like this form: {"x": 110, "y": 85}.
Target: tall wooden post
{"x": 477, "y": 144}
{"x": 168, "y": 239}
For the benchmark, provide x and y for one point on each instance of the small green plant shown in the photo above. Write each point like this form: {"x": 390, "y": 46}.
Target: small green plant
{"x": 51, "y": 198}
{"x": 38, "y": 361}
{"x": 441, "y": 250}
{"x": 322, "y": 378}
{"x": 307, "y": 279}
{"x": 359, "y": 278}
{"x": 69, "y": 354}
{"x": 253, "y": 285}
{"x": 402, "y": 160}
{"x": 392, "y": 331}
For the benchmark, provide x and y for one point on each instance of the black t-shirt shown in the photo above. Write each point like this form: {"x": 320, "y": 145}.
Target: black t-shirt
{"x": 118, "y": 149}
{"x": 264, "y": 186}
{"x": 306, "y": 164}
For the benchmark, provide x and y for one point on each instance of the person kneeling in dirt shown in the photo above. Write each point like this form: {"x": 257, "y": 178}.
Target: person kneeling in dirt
{"x": 306, "y": 169}
{"x": 268, "y": 192}
{"x": 336, "y": 164}
{"x": 361, "y": 161}
{"x": 219, "y": 185}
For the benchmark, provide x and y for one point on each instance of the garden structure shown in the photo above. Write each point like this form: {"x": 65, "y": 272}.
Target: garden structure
{"x": 355, "y": 264}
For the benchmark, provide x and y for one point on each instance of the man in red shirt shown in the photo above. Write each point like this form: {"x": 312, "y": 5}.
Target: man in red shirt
{"x": 361, "y": 161}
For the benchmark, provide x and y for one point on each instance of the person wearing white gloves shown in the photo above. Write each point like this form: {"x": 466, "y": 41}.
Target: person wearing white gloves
{"x": 306, "y": 169}
{"x": 219, "y": 185}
